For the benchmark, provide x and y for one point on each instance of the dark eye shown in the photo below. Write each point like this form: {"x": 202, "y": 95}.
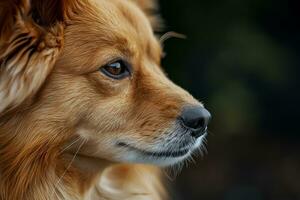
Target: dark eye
{"x": 116, "y": 70}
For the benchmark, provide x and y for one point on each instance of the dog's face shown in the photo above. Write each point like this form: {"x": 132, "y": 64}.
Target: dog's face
{"x": 107, "y": 88}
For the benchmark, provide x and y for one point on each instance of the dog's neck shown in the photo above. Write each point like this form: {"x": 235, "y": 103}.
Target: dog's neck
{"x": 33, "y": 168}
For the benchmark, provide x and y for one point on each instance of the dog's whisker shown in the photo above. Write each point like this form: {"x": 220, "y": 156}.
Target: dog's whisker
{"x": 210, "y": 133}
{"x": 68, "y": 167}
{"x": 169, "y": 35}
{"x": 172, "y": 172}
{"x": 191, "y": 159}
{"x": 70, "y": 145}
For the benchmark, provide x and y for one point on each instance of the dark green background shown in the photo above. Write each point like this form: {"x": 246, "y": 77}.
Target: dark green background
{"x": 242, "y": 60}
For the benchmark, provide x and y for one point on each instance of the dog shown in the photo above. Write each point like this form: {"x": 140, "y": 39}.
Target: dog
{"x": 86, "y": 112}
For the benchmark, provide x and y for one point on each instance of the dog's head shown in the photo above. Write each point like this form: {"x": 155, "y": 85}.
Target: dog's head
{"x": 90, "y": 70}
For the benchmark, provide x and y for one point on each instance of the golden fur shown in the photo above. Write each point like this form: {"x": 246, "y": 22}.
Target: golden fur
{"x": 59, "y": 116}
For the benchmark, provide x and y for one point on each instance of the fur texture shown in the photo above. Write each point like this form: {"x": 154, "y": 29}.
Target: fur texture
{"x": 63, "y": 123}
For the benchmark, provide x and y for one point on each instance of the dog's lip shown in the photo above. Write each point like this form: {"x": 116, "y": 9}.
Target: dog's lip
{"x": 173, "y": 154}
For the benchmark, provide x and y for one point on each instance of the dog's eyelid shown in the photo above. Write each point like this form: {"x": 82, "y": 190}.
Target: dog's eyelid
{"x": 119, "y": 59}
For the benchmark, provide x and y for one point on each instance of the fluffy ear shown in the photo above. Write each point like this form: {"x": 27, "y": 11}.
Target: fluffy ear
{"x": 31, "y": 35}
{"x": 151, "y": 8}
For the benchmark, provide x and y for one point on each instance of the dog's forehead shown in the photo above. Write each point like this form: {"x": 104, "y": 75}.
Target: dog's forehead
{"x": 123, "y": 20}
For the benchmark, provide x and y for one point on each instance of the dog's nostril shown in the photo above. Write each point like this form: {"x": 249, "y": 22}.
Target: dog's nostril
{"x": 200, "y": 123}
{"x": 196, "y": 118}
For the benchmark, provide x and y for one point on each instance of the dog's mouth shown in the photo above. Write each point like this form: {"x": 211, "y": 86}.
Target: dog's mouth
{"x": 159, "y": 154}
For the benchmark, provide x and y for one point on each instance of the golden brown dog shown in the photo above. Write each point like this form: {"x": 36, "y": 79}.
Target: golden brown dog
{"x": 81, "y": 89}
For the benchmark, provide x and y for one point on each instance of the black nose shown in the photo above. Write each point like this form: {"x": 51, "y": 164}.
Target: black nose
{"x": 195, "y": 118}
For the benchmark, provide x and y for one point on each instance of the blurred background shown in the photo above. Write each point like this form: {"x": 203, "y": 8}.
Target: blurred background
{"x": 241, "y": 59}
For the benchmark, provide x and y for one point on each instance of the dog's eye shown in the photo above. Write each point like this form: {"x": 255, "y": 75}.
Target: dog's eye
{"x": 116, "y": 70}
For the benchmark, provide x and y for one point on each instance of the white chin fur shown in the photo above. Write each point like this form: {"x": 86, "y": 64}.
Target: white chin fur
{"x": 134, "y": 156}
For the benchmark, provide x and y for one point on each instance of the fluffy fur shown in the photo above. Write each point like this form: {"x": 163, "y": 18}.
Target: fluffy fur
{"x": 63, "y": 123}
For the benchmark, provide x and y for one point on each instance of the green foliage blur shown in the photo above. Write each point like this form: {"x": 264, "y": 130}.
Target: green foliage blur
{"x": 241, "y": 59}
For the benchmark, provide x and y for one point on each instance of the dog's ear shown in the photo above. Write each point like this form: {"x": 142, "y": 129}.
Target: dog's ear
{"x": 151, "y": 9}
{"x": 31, "y": 33}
